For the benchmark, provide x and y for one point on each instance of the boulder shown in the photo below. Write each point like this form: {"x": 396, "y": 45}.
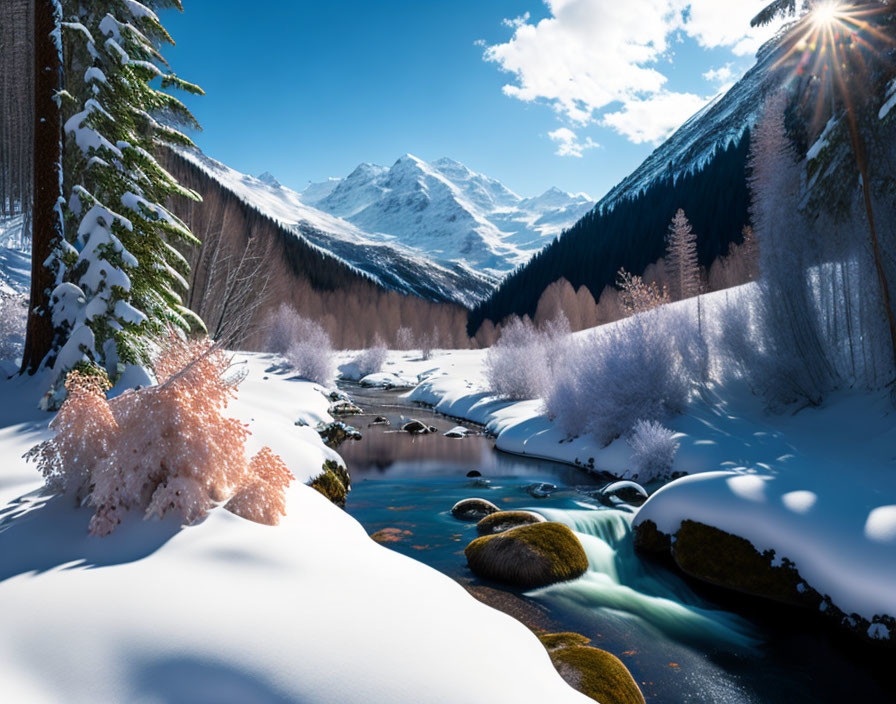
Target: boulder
{"x": 457, "y": 432}
{"x": 528, "y": 556}
{"x": 334, "y": 482}
{"x": 417, "y": 427}
{"x": 541, "y": 490}
{"x": 505, "y": 520}
{"x": 473, "y": 509}
{"x": 390, "y": 535}
{"x": 345, "y": 408}
{"x": 379, "y": 420}
{"x": 336, "y": 433}
{"x": 592, "y": 671}
{"x": 627, "y": 492}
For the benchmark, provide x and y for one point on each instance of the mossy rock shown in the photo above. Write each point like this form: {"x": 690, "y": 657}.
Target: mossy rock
{"x": 596, "y": 674}
{"x": 335, "y": 433}
{"x": 473, "y": 509}
{"x": 528, "y": 556}
{"x": 555, "y": 641}
{"x": 334, "y": 482}
{"x": 650, "y": 539}
{"x": 505, "y": 520}
{"x": 730, "y": 561}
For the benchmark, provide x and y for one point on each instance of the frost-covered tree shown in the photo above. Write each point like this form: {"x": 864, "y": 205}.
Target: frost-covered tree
{"x": 681, "y": 258}
{"x": 119, "y": 273}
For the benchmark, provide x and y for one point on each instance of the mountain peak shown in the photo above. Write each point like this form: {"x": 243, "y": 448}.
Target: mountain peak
{"x": 268, "y": 178}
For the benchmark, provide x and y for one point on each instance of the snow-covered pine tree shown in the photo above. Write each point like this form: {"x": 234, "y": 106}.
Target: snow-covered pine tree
{"x": 119, "y": 274}
{"x": 681, "y": 258}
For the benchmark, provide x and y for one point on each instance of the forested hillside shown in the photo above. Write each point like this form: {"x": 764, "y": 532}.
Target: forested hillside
{"x": 631, "y": 234}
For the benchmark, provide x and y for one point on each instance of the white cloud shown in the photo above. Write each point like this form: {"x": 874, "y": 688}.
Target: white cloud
{"x": 517, "y": 22}
{"x": 589, "y": 54}
{"x": 568, "y": 143}
{"x": 655, "y": 118}
{"x": 722, "y": 74}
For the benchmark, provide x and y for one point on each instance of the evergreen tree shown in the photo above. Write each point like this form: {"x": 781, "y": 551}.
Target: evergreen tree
{"x": 119, "y": 274}
{"x": 681, "y": 259}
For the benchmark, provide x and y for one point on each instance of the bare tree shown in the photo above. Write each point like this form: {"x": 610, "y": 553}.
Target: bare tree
{"x": 636, "y": 296}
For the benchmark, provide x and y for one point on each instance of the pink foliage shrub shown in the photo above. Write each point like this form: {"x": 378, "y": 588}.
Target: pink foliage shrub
{"x": 164, "y": 448}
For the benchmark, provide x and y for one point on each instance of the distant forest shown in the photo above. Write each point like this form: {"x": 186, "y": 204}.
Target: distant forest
{"x": 632, "y": 234}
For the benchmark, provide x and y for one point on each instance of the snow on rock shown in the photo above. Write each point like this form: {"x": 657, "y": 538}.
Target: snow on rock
{"x": 232, "y": 611}
{"x": 389, "y": 380}
{"x": 827, "y": 502}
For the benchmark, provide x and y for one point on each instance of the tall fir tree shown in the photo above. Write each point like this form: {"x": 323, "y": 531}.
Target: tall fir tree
{"x": 681, "y": 258}
{"x": 119, "y": 274}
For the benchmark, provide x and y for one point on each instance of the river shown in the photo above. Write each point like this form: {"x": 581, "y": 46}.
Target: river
{"x": 682, "y": 641}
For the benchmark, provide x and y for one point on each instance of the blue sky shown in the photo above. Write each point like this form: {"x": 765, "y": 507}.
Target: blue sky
{"x": 308, "y": 90}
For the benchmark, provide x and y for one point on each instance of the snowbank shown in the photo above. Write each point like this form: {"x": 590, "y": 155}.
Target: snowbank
{"x": 232, "y": 611}
{"x": 825, "y": 498}
{"x": 818, "y": 487}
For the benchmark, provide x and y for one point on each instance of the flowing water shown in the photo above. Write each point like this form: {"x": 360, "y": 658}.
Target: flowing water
{"x": 683, "y": 642}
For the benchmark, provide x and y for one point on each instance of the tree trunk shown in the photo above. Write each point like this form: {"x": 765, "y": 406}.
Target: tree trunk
{"x": 47, "y": 156}
{"x": 858, "y": 145}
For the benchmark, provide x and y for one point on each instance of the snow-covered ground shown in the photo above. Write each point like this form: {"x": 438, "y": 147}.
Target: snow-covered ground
{"x": 817, "y": 486}
{"x": 232, "y": 611}
{"x": 15, "y": 257}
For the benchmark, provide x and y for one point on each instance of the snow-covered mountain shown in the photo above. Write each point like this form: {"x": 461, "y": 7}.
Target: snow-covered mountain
{"x": 437, "y": 230}
{"x": 389, "y": 263}
{"x": 445, "y": 211}
{"x": 719, "y": 123}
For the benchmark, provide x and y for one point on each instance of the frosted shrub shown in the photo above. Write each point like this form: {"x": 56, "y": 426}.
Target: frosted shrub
{"x": 516, "y": 365}
{"x": 622, "y": 373}
{"x": 371, "y": 360}
{"x": 429, "y": 341}
{"x": 160, "y": 449}
{"x": 311, "y": 356}
{"x": 404, "y": 339}
{"x": 13, "y": 315}
{"x": 304, "y": 343}
{"x": 653, "y": 451}
{"x": 284, "y": 328}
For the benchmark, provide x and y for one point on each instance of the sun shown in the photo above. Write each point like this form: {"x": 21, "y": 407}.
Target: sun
{"x": 826, "y": 14}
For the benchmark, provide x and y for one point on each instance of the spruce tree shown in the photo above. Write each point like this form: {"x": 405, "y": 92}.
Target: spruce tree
{"x": 120, "y": 276}
{"x": 681, "y": 258}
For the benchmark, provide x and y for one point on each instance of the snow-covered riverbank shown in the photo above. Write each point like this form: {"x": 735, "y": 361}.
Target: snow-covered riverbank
{"x": 233, "y": 611}
{"x": 817, "y": 486}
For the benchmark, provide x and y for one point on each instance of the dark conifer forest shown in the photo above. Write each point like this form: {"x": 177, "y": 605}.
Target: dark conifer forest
{"x": 631, "y": 234}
